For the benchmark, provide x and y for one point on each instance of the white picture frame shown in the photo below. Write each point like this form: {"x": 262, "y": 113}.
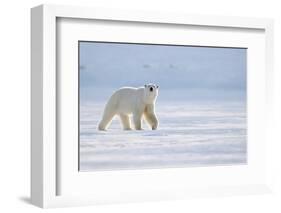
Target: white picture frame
{"x": 46, "y": 170}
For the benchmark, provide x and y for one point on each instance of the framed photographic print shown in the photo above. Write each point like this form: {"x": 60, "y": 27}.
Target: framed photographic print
{"x": 130, "y": 106}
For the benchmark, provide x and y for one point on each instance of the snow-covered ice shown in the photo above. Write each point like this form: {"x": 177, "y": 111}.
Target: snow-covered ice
{"x": 189, "y": 134}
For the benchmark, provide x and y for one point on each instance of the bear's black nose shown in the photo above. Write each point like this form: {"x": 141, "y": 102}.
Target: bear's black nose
{"x": 151, "y": 89}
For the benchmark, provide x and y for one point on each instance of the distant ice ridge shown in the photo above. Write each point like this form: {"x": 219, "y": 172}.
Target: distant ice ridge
{"x": 189, "y": 134}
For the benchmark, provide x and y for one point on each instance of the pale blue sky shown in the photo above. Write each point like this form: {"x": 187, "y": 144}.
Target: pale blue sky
{"x": 113, "y": 65}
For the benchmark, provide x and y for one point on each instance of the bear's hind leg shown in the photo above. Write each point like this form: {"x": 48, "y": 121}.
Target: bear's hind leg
{"x": 106, "y": 119}
{"x": 125, "y": 122}
{"x": 137, "y": 121}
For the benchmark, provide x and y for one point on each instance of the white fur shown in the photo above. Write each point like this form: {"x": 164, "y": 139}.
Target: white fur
{"x": 138, "y": 102}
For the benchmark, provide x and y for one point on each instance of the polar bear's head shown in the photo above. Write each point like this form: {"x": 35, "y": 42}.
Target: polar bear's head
{"x": 150, "y": 93}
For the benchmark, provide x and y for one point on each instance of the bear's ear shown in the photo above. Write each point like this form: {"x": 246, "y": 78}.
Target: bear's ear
{"x": 157, "y": 86}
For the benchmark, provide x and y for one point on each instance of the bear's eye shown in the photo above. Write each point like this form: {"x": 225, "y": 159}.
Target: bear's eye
{"x": 151, "y": 89}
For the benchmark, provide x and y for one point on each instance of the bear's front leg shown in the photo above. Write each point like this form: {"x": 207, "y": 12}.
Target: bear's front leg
{"x": 137, "y": 121}
{"x": 151, "y": 120}
{"x": 150, "y": 117}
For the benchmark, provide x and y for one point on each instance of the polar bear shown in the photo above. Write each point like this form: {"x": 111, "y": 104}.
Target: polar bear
{"x": 138, "y": 102}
